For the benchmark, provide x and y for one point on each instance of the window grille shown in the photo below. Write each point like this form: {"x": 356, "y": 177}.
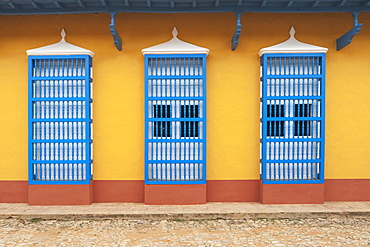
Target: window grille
{"x": 175, "y": 118}
{"x": 292, "y": 123}
{"x": 60, "y": 119}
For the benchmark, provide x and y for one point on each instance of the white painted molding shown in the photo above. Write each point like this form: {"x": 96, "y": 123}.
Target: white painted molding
{"x": 175, "y": 46}
{"x": 60, "y": 48}
{"x": 292, "y": 45}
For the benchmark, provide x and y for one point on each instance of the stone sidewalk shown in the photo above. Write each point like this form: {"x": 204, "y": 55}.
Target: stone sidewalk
{"x": 243, "y": 210}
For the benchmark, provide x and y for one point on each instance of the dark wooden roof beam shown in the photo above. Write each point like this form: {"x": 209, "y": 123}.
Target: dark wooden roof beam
{"x": 366, "y": 3}
{"x": 58, "y": 5}
{"x": 36, "y": 5}
{"x": 104, "y": 3}
{"x": 316, "y": 3}
{"x": 13, "y": 6}
{"x": 341, "y": 4}
{"x": 81, "y": 4}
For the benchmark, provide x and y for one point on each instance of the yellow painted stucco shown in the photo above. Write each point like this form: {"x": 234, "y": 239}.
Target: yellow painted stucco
{"x": 232, "y": 87}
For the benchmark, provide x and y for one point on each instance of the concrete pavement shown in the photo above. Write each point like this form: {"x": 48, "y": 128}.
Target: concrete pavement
{"x": 240, "y": 210}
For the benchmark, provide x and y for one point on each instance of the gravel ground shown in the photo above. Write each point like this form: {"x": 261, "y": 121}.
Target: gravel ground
{"x": 249, "y": 232}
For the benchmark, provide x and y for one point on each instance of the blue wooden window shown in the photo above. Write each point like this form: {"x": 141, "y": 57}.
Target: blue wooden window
{"x": 60, "y": 119}
{"x": 175, "y": 119}
{"x": 293, "y": 118}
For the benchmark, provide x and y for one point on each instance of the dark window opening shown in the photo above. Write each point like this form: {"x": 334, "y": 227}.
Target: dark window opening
{"x": 275, "y": 128}
{"x": 189, "y": 128}
{"x": 302, "y": 128}
{"x": 162, "y": 111}
{"x": 162, "y": 128}
{"x": 189, "y": 111}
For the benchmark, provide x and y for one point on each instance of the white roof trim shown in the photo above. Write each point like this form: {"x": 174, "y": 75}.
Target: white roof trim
{"x": 60, "y": 48}
{"x": 292, "y": 46}
{"x": 175, "y": 46}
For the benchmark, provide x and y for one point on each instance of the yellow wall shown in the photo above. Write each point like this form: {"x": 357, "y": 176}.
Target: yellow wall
{"x": 232, "y": 90}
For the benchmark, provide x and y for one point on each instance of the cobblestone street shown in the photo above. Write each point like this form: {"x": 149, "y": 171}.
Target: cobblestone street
{"x": 341, "y": 231}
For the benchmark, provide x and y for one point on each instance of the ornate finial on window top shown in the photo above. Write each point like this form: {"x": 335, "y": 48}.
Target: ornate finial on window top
{"x": 63, "y": 34}
{"x": 292, "y": 32}
{"x": 175, "y": 32}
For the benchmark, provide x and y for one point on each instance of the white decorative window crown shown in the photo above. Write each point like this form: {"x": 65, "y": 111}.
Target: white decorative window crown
{"x": 60, "y": 48}
{"x": 175, "y": 46}
{"x": 292, "y": 45}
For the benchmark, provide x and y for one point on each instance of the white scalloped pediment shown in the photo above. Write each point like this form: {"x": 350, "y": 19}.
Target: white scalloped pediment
{"x": 292, "y": 45}
{"x": 60, "y": 48}
{"x": 175, "y": 46}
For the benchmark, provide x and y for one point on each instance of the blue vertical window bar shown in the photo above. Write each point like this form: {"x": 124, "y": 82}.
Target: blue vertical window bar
{"x": 175, "y": 119}
{"x": 60, "y": 109}
{"x": 293, "y": 118}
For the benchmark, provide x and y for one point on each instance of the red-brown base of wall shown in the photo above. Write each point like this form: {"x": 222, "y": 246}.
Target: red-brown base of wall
{"x": 292, "y": 193}
{"x": 175, "y": 194}
{"x": 13, "y": 191}
{"x": 214, "y": 191}
{"x": 233, "y": 190}
{"x": 118, "y": 191}
{"x": 60, "y": 194}
{"x": 347, "y": 190}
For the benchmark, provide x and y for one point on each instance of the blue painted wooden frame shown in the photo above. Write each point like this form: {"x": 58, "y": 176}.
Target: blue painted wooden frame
{"x": 346, "y": 38}
{"x": 264, "y": 98}
{"x": 116, "y": 37}
{"x": 47, "y": 7}
{"x": 87, "y": 120}
{"x": 147, "y": 98}
{"x": 32, "y": 7}
{"x": 238, "y": 30}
